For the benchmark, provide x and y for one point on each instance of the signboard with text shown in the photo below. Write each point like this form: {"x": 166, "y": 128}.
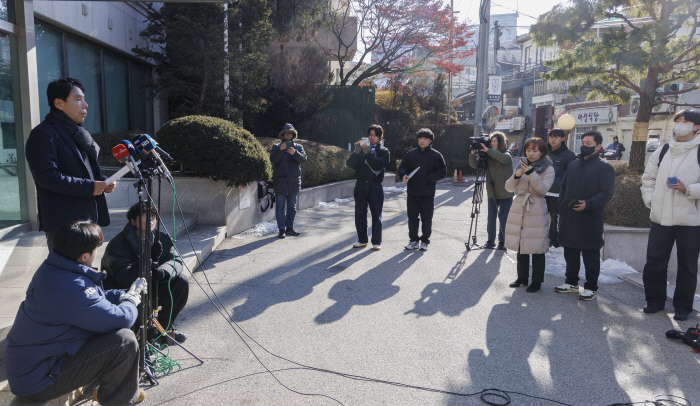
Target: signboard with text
{"x": 495, "y": 88}
{"x": 595, "y": 116}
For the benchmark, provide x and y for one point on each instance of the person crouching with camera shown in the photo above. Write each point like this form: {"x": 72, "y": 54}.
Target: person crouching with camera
{"x": 499, "y": 169}
{"x": 527, "y": 229}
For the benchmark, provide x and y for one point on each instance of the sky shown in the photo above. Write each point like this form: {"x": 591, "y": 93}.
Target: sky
{"x": 469, "y": 9}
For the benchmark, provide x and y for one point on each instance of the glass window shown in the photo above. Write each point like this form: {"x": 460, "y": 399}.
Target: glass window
{"x": 579, "y": 132}
{"x": 141, "y": 105}
{"x": 116, "y": 92}
{"x": 7, "y": 11}
{"x": 49, "y": 61}
{"x": 84, "y": 65}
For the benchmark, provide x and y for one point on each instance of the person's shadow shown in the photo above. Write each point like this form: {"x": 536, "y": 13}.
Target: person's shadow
{"x": 373, "y": 286}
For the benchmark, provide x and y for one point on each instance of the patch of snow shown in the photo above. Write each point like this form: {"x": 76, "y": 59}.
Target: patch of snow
{"x": 395, "y": 189}
{"x": 348, "y": 200}
{"x": 611, "y": 270}
{"x": 327, "y": 205}
{"x": 260, "y": 229}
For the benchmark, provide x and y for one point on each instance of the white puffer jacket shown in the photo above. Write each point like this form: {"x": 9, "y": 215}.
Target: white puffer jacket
{"x": 671, "y": 207}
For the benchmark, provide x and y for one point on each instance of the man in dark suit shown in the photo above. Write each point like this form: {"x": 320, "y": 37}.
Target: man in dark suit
{"x": 62, "y": 157}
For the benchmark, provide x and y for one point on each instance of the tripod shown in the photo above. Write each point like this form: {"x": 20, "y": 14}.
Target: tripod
{"x": 477, "y": 198}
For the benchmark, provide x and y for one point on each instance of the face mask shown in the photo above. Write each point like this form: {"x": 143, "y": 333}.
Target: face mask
{"x": 681, "y": 130}
{"x": 586, "y": 151}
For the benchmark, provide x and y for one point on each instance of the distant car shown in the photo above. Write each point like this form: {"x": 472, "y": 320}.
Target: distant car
{"x": 513, "y": 149}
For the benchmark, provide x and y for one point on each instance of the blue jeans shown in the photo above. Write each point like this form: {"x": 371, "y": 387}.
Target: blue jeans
{"x": 286, "y": 221}
{"x": 372, "y": 195}
{"x": 498, "y": 208}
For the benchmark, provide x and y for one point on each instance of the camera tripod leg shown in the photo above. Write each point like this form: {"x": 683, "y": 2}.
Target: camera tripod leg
{"x": 148, "y": 371}
{"x": 161, "y": 330}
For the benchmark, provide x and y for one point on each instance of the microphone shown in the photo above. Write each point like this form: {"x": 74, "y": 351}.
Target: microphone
{"x": 132, "y": 152}
{"x": 147, "y": 146}
{"x": 156, "y": 147}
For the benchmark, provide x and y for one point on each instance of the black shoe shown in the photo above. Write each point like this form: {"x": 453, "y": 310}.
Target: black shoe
{"x": 518, "y": 283}
{"x": 489, "y": 245}
{"x": 177, "y": 335}
{"x": 649, "y": 309}
{"x": 281, "y": 234}
{"x": 534, "y": 287}
{"x": 680, "y": 316}
{"x": 501, "y": 246}
{"x": 290, "y": 231}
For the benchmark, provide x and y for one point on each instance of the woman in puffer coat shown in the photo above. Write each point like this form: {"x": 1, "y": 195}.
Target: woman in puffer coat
{"x": 527, "y": 228}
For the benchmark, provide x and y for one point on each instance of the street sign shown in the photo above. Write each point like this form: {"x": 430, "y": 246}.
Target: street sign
{"x": 494, "y": 95}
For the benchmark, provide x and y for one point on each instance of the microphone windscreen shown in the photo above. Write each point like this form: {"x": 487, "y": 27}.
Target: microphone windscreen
{"x": 119, "y": 152}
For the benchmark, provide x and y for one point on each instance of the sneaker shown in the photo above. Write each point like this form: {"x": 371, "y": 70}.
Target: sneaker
{"x": 587, "y": 295}
{"x": 501, "y": 246}
{"x": 377, "y": 247}
{"x": 650, "y": 309}
{"x": 566, "y": 288}
{"x": 681, "y": 316}
{"x": 490, "y": 244}
{"x": 359, "y": 245}
{"x": 281, "y": 234}
{"x": 290, "y": 231}
{"x": 142, "y": 396}
{"x": 423, "y": 246}
{"x": 413, "y": 245}
{"x": 177, "y": 335}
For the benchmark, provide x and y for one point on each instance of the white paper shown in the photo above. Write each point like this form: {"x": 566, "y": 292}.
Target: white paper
{"x": 413, "y": 173}
{"x": 118, "y": 175}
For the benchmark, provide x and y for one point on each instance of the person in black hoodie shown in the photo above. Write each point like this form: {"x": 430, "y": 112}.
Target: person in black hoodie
{"x": 561, "y": 157}
{"x": 430, "y": 166}
{"x": 369, "y": 162}
{"x": 286, "y": 158}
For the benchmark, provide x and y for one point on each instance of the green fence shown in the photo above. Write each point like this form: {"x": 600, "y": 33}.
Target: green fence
{"x": 347, "y": 117}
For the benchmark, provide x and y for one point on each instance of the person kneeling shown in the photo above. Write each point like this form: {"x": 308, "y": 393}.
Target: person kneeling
{"x": 69, "y": 332}
{"x": 121, "y": 262}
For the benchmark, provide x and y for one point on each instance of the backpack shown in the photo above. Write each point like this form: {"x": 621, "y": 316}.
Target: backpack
{"x": 266, "y": 195}
{"x": 664, "y": 149}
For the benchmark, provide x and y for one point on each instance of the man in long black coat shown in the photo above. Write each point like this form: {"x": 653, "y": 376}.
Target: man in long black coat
{"x": 587, "y": 185}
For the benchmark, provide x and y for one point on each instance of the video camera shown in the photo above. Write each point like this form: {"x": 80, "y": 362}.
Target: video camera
{"x": 477, "y": 141}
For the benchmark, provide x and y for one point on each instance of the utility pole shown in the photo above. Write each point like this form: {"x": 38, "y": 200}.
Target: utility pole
{"x": 449, "y": 74}
{"x": 482, "y": 56}
{"x": 496, "y": 45}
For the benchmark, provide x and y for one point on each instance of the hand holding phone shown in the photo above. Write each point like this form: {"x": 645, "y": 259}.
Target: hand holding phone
{"x": 524, "y": 160}
{"x": 672, "y": 181}
{"x": 573, "y": 203}
{"x": 289, "y": 144}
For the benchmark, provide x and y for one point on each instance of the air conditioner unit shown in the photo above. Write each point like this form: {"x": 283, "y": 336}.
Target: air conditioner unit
{"x": 634, "y": 106}
{"x": 691, "y": 97}
{"x": 664, "y": 108}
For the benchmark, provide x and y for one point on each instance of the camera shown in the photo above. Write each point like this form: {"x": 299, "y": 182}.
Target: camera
{"x": 477, "y": 141}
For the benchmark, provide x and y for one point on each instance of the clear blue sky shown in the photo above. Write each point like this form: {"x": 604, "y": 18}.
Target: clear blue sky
{"x": 469, "y": 9}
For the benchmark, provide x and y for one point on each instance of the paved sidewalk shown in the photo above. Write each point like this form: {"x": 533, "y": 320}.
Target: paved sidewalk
{"x": 443, "y": 319}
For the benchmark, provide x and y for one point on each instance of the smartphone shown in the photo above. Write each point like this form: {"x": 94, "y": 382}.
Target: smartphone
{"x": 524, "y": 160}
{"x": 573, "y": 203}
{"x": 364, "y": 141}
{"x": 289, "y": 144}
{"x": 672, "y": 181}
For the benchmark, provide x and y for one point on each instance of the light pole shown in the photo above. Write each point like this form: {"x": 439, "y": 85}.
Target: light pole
{"x": 566, "y": 122}
{"x": 482, "y": 56}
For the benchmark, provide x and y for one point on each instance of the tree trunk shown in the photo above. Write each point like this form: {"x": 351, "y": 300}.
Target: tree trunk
{"x": 639, "y": 144}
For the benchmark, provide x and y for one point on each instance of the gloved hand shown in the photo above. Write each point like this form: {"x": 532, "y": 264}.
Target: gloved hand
{"x": 159, "y": 273}
{"x": 156, "y": 251}
{"x": 134, "y": 293}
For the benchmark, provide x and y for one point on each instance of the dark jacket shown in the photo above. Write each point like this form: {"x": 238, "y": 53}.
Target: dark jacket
{"x": 365, "y": 165}
{"x": 432, "y": 169}
{"x": 561, "y": 158}
{"x": 286, "y": 169}
{"x": 500, "y": 169}
{"x": 121, "y": 260}
{"x": 63, "y": 185}
{"x": 64, "y": 308}
{"x": 593, "y": 181}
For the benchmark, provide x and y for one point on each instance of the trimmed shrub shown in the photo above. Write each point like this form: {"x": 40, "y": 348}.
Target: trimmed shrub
{"x": 108, "y": 140}
{"x": 627, "y": 208}
{"x": 325, "y": 163}
{"x": 215, "y": 148}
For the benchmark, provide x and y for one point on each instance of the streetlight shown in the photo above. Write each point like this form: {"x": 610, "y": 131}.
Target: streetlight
{"x": 566, "y": 122}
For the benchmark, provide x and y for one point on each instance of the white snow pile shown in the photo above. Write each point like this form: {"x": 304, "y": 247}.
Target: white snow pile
{"x": 327, "y": 205}
{"x": 260, "y": 229}
{"x": 611, "y": 270}
{"x": 395, "y": 189}
{"x": 348, "y": 200}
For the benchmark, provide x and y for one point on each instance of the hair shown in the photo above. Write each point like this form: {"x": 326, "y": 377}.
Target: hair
{"x": 597, "y": 137}
{"x": 539, "y": 143}
{"x": 378, "y": 130}
{"x": 76, "y": 238}
{"x": 61, "y": 88}
{"x": 136, "y": 210}
{"x": 502, "y": 140}
{"x": 425, "y": 133}
{"x": 615, "y": 138}
{"x": 557, "y": 132}
{"x": 688, "y": 115}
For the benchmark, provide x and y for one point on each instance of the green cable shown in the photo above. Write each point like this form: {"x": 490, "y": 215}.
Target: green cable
{"x": 170, "y": 317}
{"x": 162, "y": 363}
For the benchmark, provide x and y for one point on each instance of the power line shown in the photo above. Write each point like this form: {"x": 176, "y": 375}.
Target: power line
{"x": 519, "y": 12}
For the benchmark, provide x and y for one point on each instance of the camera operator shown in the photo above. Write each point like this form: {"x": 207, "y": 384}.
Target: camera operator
{"x": 499, "y": 170}
{"x": 121, "y": 263}
{"x": 69, "y": 332}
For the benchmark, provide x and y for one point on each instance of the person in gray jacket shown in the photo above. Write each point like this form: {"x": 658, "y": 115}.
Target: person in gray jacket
{"x": 561, "y": 157}
{"x": 286, "y": 158}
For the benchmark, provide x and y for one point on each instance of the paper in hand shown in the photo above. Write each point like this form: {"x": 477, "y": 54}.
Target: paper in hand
{"x": 119, "y": 174}
{"x": 413, "y": 173}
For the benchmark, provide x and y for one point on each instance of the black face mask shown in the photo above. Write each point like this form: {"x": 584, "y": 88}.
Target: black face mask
{"x": 586, "y": 151}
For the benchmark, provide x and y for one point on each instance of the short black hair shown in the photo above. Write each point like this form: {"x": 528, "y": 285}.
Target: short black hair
{"x": 76, "y": 238}
{"x": 688, "y": 115}
{"x": 136, "y": 210}
{"x": 615, "y": 138}
{"x": 557, "y": 132}
{"x": 378, "y": 130}
{"x": 425, "y": 133}
{"x": 597, "y": 137}
{"x": 61, "y": 88}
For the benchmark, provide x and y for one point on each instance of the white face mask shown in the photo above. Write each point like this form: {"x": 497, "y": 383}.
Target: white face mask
{"x": 681, "y": 130}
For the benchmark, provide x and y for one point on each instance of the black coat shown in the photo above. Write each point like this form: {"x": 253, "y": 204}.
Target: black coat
{"x": 365, "y": 165}
{"x": 593, "y": 181}
{"x": 63, "y": 185}
{"x": 561, "y": 158}
{"x": 286, "y": 169}
{"x": 432, "y": 169}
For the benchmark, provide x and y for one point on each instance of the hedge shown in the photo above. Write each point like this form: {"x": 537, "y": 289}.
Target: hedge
{"x": 325, "y": 163}
{"x": 627, "y": 208}
{"x": 215, "y": 148}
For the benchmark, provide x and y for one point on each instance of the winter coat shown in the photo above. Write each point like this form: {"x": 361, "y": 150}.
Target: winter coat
{"x": 527, "y": 227}
{"x": 64, "y": 189}
{"x": 671, "y": 207}
{"x": 432, "y": 169}
{"x": 592, "y": 181}
{"x": 369, "y": 167}
{"x": 286, "y": 169}
{"x": 561, "y": 158}
{"x": 64, "y": 308}
{"x": 121, "y": 259}
{"x": 500, "y": 168}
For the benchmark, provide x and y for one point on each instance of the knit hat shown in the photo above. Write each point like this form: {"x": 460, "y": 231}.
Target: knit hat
{"x": 288, "y": 128}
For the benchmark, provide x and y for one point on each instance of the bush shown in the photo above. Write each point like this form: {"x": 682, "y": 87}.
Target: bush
{"x": 216, "y": 149}
{"x": 325, "y": 163}
{"x": 108, "y": 140}
{"x": 627, "y": 208}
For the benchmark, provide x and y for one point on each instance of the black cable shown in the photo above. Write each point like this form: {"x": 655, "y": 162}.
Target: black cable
{"x": 658, "y": 401}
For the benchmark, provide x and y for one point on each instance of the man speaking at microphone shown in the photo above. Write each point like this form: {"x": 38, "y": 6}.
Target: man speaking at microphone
{"x": 62, "y": 157}
{"x": 121, "y": 262}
